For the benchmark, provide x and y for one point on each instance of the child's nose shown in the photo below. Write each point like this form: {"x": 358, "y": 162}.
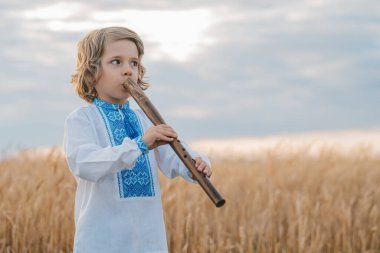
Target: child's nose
{"x": 127, "y": 71}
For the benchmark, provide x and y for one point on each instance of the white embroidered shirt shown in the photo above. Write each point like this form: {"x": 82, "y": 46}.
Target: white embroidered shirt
{"x": 118, "y": 202}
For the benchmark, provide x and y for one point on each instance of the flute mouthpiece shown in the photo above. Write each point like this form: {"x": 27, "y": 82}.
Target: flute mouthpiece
{"x": 126, "y": 84}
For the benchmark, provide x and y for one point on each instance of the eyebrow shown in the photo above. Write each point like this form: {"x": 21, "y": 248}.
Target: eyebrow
{"x": 117, "y": 56}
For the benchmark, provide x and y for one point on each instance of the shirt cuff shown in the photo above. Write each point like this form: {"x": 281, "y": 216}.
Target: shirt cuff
{"x": 141, "y": 144}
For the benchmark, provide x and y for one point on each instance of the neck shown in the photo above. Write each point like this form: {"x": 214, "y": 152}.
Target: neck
{"x": 120, "y": 102}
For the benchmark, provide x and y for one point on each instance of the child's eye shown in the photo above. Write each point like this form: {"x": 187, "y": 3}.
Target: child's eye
{"x": 134, "y": 63}
{"x": 115, "y": 61}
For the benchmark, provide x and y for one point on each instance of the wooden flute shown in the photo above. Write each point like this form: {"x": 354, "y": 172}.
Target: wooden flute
{"x": 151, "y": 112}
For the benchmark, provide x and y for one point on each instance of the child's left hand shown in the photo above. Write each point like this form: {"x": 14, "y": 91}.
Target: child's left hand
{"x": 202, "y": 167}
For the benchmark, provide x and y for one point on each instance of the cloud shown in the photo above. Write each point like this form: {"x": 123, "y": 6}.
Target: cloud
{"x": 190, "y": 112}
{"x": 55, "y": 11}
{"x": 238, "y": 68}
{"x": 175, "y": 41}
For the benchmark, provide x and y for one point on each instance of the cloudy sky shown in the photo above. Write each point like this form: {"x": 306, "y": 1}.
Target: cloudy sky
{"x": 218, "y": 69}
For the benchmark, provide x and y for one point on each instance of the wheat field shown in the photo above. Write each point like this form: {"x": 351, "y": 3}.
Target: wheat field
{"x": 293, "y": 203}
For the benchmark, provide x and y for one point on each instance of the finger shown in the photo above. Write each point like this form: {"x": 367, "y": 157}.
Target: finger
{"x": 172, "y": 134}
{"x": 202, "y": 167}
{"x": 164, "y": 126}
{"x": 169, "y": 129}
{"x": 162, "y": 137}
{"x": 209, "y": 172}
{"x": 198, "y": 161}
{"x": 167, "y": 132}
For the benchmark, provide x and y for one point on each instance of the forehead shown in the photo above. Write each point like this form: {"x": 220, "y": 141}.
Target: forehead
{"x": 121, "y": 48}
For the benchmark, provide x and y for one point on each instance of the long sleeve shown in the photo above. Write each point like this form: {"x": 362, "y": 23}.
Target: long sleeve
{"x": 118, "y": 200}
{"x": 89, "y": 161}
{"x": 171, "y": 165}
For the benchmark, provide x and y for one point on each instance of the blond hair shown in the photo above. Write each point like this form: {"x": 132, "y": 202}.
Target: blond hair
{"x": 90, "y": 52}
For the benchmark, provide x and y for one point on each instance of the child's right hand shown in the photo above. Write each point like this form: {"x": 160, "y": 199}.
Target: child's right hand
{"x": 159, "y": 135}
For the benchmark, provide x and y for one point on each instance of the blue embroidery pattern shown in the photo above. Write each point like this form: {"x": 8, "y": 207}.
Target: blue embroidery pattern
{"x": 144, "y": 149}
{"x": 113, "y": 116}
{"x": 121, "y": 123}
{"x": 120, "y": 134}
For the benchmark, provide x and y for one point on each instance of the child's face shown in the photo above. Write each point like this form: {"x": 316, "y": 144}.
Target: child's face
{"x": 119, "y": 62}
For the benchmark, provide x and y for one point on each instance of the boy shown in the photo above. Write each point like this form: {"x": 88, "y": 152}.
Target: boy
{"x": 114, "y": 151}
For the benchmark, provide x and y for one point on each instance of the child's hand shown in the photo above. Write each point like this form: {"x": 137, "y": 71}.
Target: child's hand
{"x": 202, "y": 167}
{"x": 159, "y": 135}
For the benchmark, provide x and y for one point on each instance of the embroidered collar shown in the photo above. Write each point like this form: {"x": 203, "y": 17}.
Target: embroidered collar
{"x": 108, "y": 105}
